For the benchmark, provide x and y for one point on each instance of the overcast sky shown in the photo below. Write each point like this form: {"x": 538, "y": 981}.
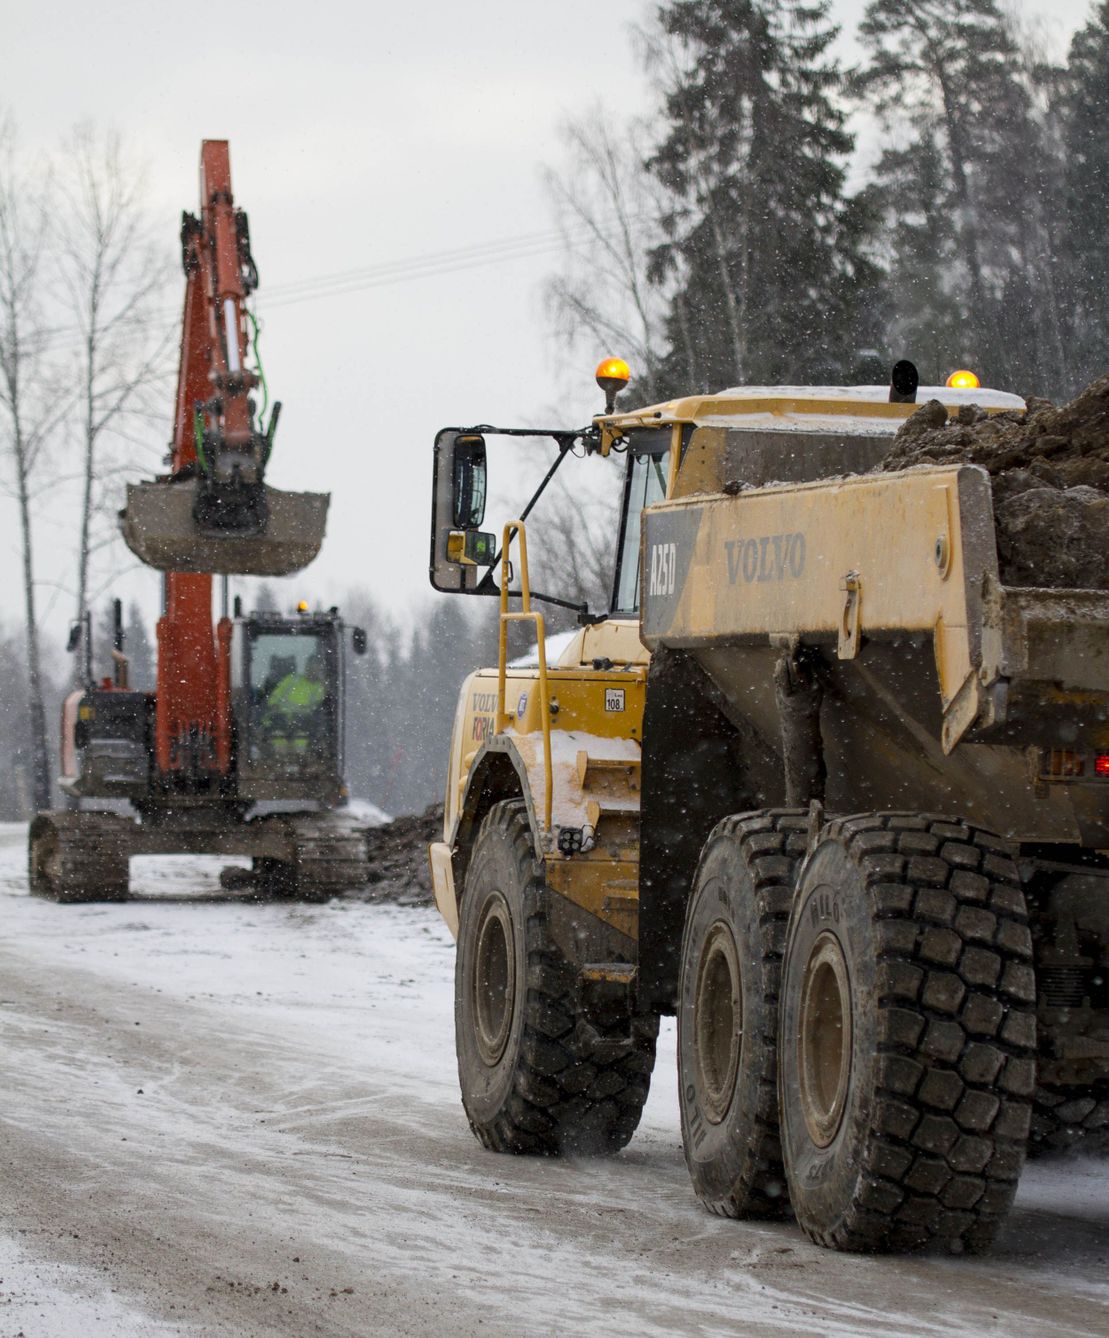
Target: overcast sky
{"x": 362, "y": 135}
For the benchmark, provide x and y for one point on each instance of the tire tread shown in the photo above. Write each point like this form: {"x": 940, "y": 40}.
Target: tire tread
{"x": 954, "y": 1092}
{"x": 578, "y": 1090}
{"x": 772, "y": 843}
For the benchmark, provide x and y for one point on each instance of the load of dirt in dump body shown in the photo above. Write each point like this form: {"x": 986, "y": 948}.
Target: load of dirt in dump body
{"x": 1049, "y": 466}
{"x": 398, "y": 868}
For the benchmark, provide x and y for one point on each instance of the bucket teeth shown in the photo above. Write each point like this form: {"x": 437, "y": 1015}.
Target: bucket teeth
{"x": 158, "y": 525}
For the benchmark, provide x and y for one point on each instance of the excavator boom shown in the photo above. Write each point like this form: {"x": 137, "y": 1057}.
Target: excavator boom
{"x": 214, "y": 512}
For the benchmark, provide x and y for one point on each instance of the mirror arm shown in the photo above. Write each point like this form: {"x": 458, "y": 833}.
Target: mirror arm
{"x": 565, "y": 442}
{"x": 487, "y": 586}
{"x": 553, "y": 599}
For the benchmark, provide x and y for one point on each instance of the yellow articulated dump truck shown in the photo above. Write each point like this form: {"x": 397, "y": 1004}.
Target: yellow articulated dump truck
{"x": 820, "y": 783}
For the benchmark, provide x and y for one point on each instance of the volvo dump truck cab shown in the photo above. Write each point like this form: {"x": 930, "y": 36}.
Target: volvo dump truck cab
{"x": 820, "y": 785}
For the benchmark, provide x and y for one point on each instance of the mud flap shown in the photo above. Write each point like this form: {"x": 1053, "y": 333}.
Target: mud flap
{"x": 159, "y": 527}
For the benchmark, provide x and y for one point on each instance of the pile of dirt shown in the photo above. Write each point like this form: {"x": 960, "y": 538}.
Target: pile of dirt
{"x": 1050, "y": 471}
{"x": 398, "y": 858}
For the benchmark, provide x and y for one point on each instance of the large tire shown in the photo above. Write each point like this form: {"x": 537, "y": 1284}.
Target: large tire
{"x": 535, "y": 1077}
{"x": 907, "y": 1056}
{"x": 731, "y": 958}
{"x": 1070, "y": 1119}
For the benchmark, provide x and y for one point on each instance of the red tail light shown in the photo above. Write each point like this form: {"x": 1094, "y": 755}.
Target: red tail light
{"x": 1101, "y": 764}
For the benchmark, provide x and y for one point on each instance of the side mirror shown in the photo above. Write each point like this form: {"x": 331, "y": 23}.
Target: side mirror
{"x": 468, "y": 476}
{"x": 74, "y": 638}
{"x": 471, "y": 548}
{"x": 459, "y": 548}
{"x": 358, "y": 640}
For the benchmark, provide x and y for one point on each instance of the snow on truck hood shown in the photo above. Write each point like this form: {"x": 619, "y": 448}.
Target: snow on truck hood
{"x": 853, "y": 409}
{"x": 557, "y": 645}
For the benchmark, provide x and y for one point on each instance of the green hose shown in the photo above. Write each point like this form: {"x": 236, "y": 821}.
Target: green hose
{"x": 198, "y": 433}
{"x": 261, "y": 370}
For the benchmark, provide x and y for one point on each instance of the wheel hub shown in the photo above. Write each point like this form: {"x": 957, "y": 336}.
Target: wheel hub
{"x": 824, "y": 1039}
{"x": 494, "y": 979}
{"x": 717, "y": 1022}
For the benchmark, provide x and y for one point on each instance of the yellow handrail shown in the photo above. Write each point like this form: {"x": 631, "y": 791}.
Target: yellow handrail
{"x": 512, "y": 529}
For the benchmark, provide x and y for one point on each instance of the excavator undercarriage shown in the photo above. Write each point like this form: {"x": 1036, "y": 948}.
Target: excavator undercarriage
{"x": 78, "y": 857}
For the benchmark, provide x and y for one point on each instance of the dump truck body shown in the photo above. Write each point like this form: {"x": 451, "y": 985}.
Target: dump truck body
{"x": 945, "y": 690}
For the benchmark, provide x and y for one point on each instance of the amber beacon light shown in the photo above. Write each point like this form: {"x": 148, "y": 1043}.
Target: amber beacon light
{"x": 613, "y": 374}
{"x": 963, "y": 380}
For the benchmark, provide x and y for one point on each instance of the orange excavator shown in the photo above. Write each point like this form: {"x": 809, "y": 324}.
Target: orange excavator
{"x": 239, "y": 750}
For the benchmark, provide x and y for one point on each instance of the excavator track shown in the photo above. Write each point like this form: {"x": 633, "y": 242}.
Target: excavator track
{"x": 74, "y": 857}
{"x": 329, "y": 856}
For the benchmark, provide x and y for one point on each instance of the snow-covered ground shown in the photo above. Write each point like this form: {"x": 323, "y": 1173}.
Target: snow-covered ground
{"x": 235, "y": 1119}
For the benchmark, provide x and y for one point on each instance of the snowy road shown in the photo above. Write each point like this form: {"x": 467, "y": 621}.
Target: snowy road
{"x": 229, "y": 1119}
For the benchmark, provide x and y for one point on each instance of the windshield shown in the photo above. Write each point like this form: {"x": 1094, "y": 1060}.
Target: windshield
{"x": 648, "y": 470}
{"x": 290, "y": 675}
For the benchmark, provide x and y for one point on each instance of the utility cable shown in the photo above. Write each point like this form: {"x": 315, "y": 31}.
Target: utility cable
{"x": 429, "y": 265}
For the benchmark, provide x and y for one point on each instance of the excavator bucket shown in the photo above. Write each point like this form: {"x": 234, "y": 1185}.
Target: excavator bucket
{"x": 159, "y": 526}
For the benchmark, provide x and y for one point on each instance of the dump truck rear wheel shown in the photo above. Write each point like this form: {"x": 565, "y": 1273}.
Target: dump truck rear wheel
{"x": 1070, "y": 1119}
{"x": 908, "y": 1036}
{"x": 728, "y": 1011}
{"x": 535, "y": 1076}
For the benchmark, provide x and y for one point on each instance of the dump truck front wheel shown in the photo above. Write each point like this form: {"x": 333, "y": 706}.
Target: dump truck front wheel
{"x": 728, "y": 1011}
{"x": 535, "y": 1077}
{"x": 907, "y": 1040}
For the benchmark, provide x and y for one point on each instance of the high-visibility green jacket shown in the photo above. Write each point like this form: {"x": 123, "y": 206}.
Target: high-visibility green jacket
{"x": 296, "y": 695}
{"x": 289, "y": 712}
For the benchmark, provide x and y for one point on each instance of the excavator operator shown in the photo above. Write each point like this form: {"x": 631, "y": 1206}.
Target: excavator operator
{"x": 294, "y": 707}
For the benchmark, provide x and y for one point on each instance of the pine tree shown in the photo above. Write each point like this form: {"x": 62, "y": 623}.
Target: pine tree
{"x": 1085, "y": 114}
{"x": 965, "y": 185}
{"x": 924, "y": 317}
{"x": 766, "y": 255}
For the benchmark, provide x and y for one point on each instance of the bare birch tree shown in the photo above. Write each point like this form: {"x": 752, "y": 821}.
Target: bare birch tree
{"x": 30, "y": 400}
{"x": 113, "y": 281}
{"x": 607, "y": 209}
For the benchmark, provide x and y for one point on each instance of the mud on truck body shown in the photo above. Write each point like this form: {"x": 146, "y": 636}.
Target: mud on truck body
{"x": 820, "y": 785}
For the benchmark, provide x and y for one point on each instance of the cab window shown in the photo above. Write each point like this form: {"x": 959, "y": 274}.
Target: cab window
{"x": 290, "y": 678}
{"x": 648, "y": 470}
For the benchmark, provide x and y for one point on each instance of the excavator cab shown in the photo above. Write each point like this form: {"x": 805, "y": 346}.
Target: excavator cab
{"x": 287, "y": 714}
{"x": 287, "y": 704}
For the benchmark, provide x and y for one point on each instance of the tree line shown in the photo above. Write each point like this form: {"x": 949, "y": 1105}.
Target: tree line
{"x": 737, "y": 233}
{"x": 741, "y": 234}
{"x": 84, "y": 365}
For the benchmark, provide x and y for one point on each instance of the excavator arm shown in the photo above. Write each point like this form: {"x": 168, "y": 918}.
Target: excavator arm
{"x": 214, "y": 512}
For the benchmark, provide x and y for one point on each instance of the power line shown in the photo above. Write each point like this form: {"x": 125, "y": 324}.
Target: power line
{"x": 493, "y": 249}
{"x": 431, "y": 264}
